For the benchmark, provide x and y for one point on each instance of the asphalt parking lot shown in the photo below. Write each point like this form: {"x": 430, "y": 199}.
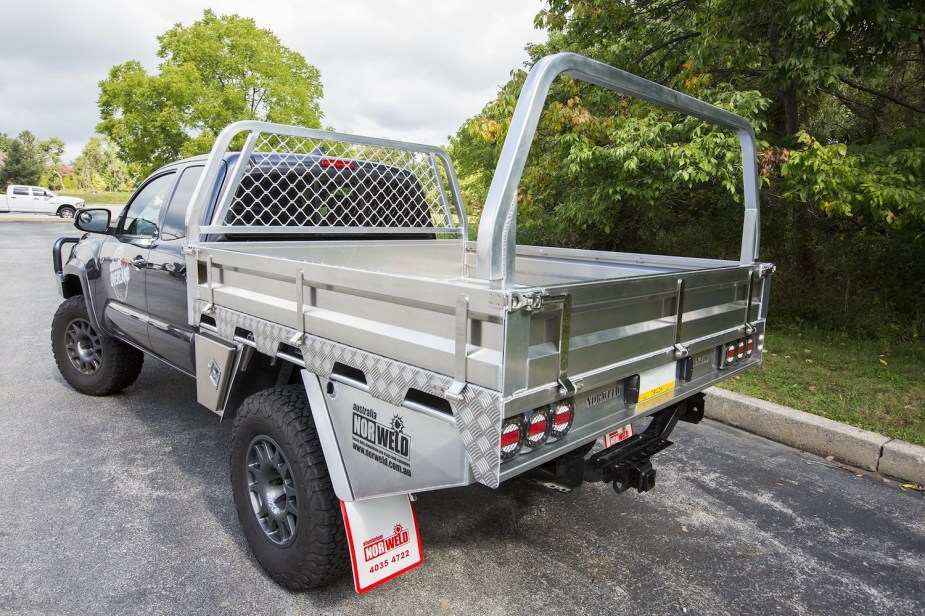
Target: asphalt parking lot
{"x": 122, "y": 505}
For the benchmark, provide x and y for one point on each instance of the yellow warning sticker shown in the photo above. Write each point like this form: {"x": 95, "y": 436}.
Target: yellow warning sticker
{"x": 658, "y": 391}
{"x": 657, "y": 387}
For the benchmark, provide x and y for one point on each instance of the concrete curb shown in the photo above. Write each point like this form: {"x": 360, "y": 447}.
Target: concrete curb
{"x": 818, "y": 435}
{"x": 32, "y": 218}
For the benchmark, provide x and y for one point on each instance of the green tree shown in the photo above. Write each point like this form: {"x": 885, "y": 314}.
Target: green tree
{"x": 98, "y": 167}
{"x": 848, "y": 75}
{"x": 23, "y": 163}
{"x": 216, "y": 71}
{"x": 51, "y": 150}
{"x": 836, "y": 89}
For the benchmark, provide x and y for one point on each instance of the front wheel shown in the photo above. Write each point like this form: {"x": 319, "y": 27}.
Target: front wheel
{"x": 66, "y": 212}
{"x": 92, "y": 362}
{"x": 282, "y": 490}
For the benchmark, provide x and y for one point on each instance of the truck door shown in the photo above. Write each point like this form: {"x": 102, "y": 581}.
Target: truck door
{"x": 20, "y": 199}
{"x": 170, "y": 333}
{"x": 40, "y": 198}
{"x": 124, "y": 261}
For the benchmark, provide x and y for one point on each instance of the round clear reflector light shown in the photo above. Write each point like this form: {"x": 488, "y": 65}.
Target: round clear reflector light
{"x": 512, "y": 437}
{"x": 563, "y": 414}
{"x": 538, "y": 428}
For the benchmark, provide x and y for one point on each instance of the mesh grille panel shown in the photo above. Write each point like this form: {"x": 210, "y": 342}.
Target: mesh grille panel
{"x": 320, "y": 184}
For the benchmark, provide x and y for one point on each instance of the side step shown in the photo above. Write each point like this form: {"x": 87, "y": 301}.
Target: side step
{"x": 626, "y": 465}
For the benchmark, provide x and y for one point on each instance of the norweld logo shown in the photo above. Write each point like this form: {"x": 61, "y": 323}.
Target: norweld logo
{"x": 377, "y": 546}
{"x": 607, "y": 394}
{"x": 390, "y": 437}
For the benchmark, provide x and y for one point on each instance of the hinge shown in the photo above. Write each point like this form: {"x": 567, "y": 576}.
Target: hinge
{"x": 455, "y": 391}
{"x": 512, "y": 302}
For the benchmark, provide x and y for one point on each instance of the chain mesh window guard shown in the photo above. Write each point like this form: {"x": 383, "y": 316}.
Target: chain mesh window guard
{"x": 317, "y": 185}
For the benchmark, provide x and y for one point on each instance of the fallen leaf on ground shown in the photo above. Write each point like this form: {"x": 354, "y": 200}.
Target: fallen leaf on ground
{"x": 683, "y": 529}
{"x": 829, "y": 458}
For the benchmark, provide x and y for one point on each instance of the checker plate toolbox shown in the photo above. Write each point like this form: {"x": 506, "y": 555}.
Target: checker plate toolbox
{"x": 348, "y": 257}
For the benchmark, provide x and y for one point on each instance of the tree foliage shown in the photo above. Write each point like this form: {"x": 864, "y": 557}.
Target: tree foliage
{"x": 836, "y": 90}
{"x": 216, "y": 71}
{"x": 99, "y": 168}
{"x": 28, "y": 160}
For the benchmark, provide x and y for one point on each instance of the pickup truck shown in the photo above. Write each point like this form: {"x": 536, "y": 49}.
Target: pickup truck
{"x": 322, "y": 291}
{"x": 38, "y": 200}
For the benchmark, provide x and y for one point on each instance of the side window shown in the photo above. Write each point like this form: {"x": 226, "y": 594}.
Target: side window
{"x": 145, "y": 209}
{"x": 174, "y": 226}
{"x": 21, "y": 191}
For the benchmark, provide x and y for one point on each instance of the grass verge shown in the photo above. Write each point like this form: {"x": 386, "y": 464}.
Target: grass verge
{"x": 872, "y": 385}
{"x": 100, "y": 198}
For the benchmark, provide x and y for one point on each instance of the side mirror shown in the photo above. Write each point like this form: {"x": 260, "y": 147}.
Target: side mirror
{"x": 94, "y": 220}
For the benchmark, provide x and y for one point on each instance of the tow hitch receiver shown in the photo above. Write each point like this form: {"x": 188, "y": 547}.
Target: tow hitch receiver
{"x": 626, "y": 465}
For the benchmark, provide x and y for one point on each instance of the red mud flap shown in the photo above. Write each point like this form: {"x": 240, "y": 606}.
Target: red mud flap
{"x": 383, "y": 537}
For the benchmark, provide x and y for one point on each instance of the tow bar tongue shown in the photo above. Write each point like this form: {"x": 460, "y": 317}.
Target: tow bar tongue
{"x": 627, "y": 464}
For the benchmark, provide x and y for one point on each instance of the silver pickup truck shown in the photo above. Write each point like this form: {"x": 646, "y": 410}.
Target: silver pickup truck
{"x": 321, "y": 290}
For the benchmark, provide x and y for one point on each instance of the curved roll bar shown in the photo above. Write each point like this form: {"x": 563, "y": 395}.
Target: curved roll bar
{"x": 496, "y": 245}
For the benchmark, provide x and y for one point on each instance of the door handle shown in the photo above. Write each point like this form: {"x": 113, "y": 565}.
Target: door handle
{"x": 139, "y": 263}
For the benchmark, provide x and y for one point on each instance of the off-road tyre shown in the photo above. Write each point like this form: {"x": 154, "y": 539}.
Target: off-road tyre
{"x": 66, "y": 212}
{"x": 279, "y": 422}
{"x": 90, "y": 361}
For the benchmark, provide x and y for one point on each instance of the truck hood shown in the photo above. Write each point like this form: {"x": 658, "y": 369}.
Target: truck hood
{"x": 65, "y": 200}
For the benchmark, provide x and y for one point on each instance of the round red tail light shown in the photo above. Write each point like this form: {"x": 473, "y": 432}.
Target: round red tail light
{"x": 730, "y": 353}
{"x": 749, "y": 346}
{"x": 563, "y": 414}
{"x": 538, "y": 428}
{"x": 740, "y": 353}
{"x": 512, "y": 437}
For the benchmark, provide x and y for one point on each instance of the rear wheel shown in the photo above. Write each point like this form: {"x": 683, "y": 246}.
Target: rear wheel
{"x": 66, "y": 212}
{"x": 90, "y": 361}
{"x": 282, "y": 491}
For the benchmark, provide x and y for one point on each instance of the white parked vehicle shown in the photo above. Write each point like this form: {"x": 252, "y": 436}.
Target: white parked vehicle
{"x": 38, "y": 200}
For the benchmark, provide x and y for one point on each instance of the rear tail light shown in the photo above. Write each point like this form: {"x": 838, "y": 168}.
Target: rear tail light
{"x": 538, "y": 427}
{"x": 563, "y": 415}
{"x": 533, "y": 430}
{"x": 739, "y": 350}
{"x": 512, "y": 437}
{"x": 730, "y": 354}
